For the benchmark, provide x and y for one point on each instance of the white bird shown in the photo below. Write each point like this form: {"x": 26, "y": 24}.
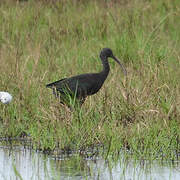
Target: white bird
{"x": 5, "y": 97}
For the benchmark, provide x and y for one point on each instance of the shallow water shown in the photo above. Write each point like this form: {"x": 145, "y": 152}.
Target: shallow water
{"x": 20, "y": 163}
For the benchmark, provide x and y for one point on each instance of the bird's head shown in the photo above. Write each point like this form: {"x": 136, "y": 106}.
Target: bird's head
{"x": 107, "y": 52}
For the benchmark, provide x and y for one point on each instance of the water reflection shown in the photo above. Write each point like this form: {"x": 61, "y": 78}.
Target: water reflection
{"x": 20, "y": 163}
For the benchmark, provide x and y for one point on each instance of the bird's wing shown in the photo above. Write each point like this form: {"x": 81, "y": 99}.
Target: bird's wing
{"x": 82, "y": 84}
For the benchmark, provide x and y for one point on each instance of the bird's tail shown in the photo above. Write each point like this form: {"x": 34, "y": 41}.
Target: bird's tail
{"x": 49, "y": 85}
{"x": 54, "y": 83}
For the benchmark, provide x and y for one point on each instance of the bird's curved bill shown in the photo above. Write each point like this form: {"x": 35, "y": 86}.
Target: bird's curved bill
{"x": 122, "y": 67}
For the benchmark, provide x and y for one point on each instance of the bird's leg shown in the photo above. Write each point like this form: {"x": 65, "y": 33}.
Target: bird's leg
{"x": 55, "y": 92}
{"x": 77, "y": 104}
{"x": 81, "y": 101}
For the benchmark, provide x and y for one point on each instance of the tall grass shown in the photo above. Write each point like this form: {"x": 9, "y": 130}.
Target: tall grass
{"x": 43, "y": 41}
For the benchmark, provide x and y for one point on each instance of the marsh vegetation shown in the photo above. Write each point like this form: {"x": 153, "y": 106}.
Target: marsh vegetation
{"x": 44, "y": 41}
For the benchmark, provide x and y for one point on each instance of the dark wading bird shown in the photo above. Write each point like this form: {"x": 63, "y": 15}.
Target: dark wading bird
{"x": 83, "y": 85}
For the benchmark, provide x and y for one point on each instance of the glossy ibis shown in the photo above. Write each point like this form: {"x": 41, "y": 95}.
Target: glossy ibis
{"x": 83, "y": 85}
{"x": 5, "y": 97}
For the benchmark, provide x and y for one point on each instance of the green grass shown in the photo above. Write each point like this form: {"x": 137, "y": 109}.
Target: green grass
{"x": 41, "y": 42}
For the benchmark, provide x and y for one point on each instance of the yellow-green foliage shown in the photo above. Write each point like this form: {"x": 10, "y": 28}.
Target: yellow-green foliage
{"x": 43, "y": 41}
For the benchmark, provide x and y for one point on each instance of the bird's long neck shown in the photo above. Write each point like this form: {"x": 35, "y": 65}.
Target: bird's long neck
{"x": 106, "y": 67}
